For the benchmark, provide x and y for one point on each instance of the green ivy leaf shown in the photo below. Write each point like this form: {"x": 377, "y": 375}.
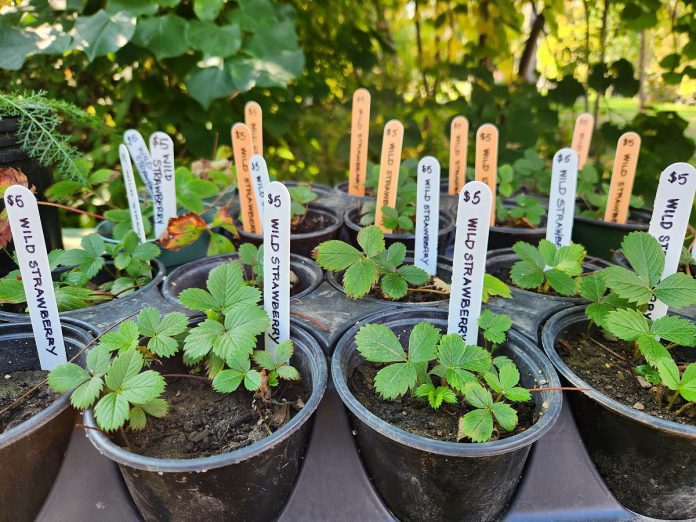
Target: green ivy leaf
{"x": 207, "y": 84}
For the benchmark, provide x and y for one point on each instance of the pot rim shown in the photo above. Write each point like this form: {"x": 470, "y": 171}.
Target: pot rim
{"x": 81, "y": 337}
{"x": 566, "y": 318}
{"x": 320, "y": 189}
{"x": 521, "y": 344}
{"x": 321, "y": 209}
{"x": 319, "y": 373}
{"x": 628, "y": 227}
{"x": 443, "y": 231}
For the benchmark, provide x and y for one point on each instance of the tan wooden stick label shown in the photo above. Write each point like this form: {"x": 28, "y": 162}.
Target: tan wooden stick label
{"x": 486, "y": 165}
{"x": 459, "y": 134}
{"x": 243, "y": 149}
{"x": 389, "y": 169}
{"x": 582, "y": 137}
{"x": 253, "y": 118}
{"x": 359, "y": 134}
{"x": 622, "y": 175}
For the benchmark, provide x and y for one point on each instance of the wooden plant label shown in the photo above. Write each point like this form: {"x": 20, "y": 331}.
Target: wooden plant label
{"x": 259, "y": 179}
{"x": 564, "y": 179}
{"x": 359, "y": 134}
{"x": 670, "y": 218}
{"x": 459, "y": 138}
{"x": 131, "y": 193}
{"x": 253, "y": 118}
{"x": 427, "y": 214}
{"x": 242, "y": 148}
{"x": 141, "y": 156}
{"x": 622, "y": 175}
{"x": 487, "y": 160}
{"x": 469, "y": 260}
{"x": 389, "y": 169}
{"x": 582, "y": 137}
{"x": 163, "y": 184}
{"x": 276, "y": 263}
{"x": 25, "y": 223}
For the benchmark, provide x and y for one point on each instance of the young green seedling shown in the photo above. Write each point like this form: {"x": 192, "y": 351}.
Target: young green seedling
{"x": 527, "y": 213}
{"x": 546, "y": 267}
{"x": 251, "y": 256}
{"x": 301, "y": 196}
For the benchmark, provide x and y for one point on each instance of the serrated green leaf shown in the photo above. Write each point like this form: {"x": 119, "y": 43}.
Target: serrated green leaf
{"x": 644, "y": 254}
{"x": 492, "y": 286}
{"x": 264, "y": 360}
{"x": 201, "y": 339}
{"x": 137, "y": 419}
{"x": 477, "y": 395}
{"x": 252, "y": 380}
{"x": 592, "y": 287}
{"x": 494, "y": 326}
{"x": 675, "y": 329}
{"x": 226, "y": 284}
{"x": 378, "y": 343}
{"x": 509, "y": 376}
{"x": 453, "y": 353}
{"x": 396, "y": 253}
{"x": 127, "y": 364}
{"x": 652, "y": 350}
{"x": 111, "y": 411}
{"x": 227, "y": 381}
{"x": 677, "y": 290}
{"x": 526, "y": 274}
{"x": 530, "y": 254}
{"x": 197, "y": 299}
{"x": 687, "y": 386}
{"x": 243, "y": 323}
{"x": 66, "y": 377}
{"x": 476, "y": 425}
{"x": 492, "y": 380}
{"x": 560, "y": 281}
{"x": 414, "y": 276}
{"x": 568, "y": 259}
{"x": 143, "y": 387}
{"x": 156, "y": 407}
{"x": 627, "y": 285}
{"x": 98, "y": 359}
{"x": 146, "y": 251}
{"x": 627, "y": 324}
{"x": 85, "y": 394}
{"x": 393, "y": 285}
{"x": 518, "y": 394}
{"x": 505, "y": 415}
{"x": 360, "y": 278}
{"x": 422, "y": 343}
{"x": 669, "y": 373}
{"x": 371, "y": 240}
{"x": 289, "y": 373}
{"x": 336, "y": 255}
{"x": 395, "y": 380}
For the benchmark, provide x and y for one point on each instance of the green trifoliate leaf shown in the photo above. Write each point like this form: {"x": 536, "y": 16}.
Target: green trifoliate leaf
{"x": 526, "y": 274}
{"x": 162, "y": 331}
{"x": 252, "y": 380}
{"x": 395, "y": 380}
{"x": 143, "y": 387}
{"x": 336, "y": 255}
{"x": 111, "y": 412}
{"x": 476, "y": 425}
{"x": 645, "y": 256}
{"x": 137, "y": 419}
{"x": 501, "y": 361}
{"x": 675, "y": 329}
{"x": 156, "y": 407}
{"x": 146, "y": 251}
{"x": 453, "y": 353}
{"x": 201, "y": 339}
{"x": 127, "y": 364}
{"x": 66, "y": 377}
{"x": 477, "y": 395}
{"x": 494, "y": 326}
{"x": 677, "y": 290}
{"x": 226, "y": 284}
{"x": 422, "y": 343}
{"x": 560, "y": 281}
{"x": 393, "y": 285}
{"x": 568, "y": 259}
{"x": 88, "y": 392}
{"x": 627, "y": 285}
{"x": 243, "y": 323}
{"x": 517, "y": 394}
{"x": 414, "y": 276}
{"x": 264, "y": 359}
{"x": 198, "y": 299}
{"x": 492, "y": 380}
{"x": 283, "y": 352}
{"x": 529, "y": 253}
{"x": 548, "y": 252}
{"x": 360, "y": 278}
{"x": 378, "y": 343}
{"x": 505, "y": 415}
{"x": 687, "y": 386}
{"x": 371, "y": 240}
{"x": 627, "y": 324}
{"x": 228, "y": 381}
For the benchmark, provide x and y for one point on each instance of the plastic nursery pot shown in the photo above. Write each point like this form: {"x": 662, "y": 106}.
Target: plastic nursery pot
{"x": 444, "y": 272}
{"x": 355, "y": 201}
{"x": 601, "y": 238}
{"x": 648, "y": 463}
{"x": 31, "y": 453}
{"x": 251, "y": 483}
{"x": 447, "y": 201}
{"x": 303, "y": 244}
{"x": 326, "y": 196}
{"x": 106, "y": 313}
{"x": 505, "y": 237}
{"x": 195, "y": 274}
{"x": 425, "y": 479}
{"x": 445, "y": 234}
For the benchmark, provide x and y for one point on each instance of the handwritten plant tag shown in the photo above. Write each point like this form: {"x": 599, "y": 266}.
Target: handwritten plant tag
{"x": 25, "y": 223}
{"x": 259, "y": 179}
{"x": 622, "y": 176}
{"x": 163, "y": 183}
{"x": 242, "y": 148}
{"x": 141, "y": 156}
{"x": 582, "y": 137}
{"x": 389, "y": 169}
{"x": 276, "y": 263}
{"x": 131, "y": 193}
{"x": 427, "y": 214}
{"x": 486, "y": 165}
{"x": 459, "y": 140}
{"x": 253, "y": 118}
{"x": 469, "y": 260}
{"x": 359, "y": 134}
{"x": 670, "y": 218}
{"x": 564, "y": 179}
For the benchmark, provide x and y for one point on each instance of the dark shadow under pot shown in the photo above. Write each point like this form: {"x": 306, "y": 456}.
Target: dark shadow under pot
{"x": 648, "y": 463}
{"x": 601, "y": 238}
{"x": 31, "y": 452}
{"x": 505, "y": 236}
{"x": 250, "y": 483}
{"x": 425, "y": 479}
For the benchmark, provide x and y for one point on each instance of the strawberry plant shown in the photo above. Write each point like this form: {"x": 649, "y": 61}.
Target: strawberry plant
{"x": 300, "y": 196}
{"x": 527, "y": 212}
{"x": 547, "y": 267}
{"x": 594, "y": 193}
{"x": 401, "y": 218}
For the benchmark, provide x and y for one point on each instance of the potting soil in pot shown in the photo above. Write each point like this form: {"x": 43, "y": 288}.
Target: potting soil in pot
{"x": 311, "y": 222}
{"x": 13, "y": 385}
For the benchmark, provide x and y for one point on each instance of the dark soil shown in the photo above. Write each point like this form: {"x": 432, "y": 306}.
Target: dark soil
{"x": 511, "y": 222}
{"x": 202, "y": 422}
{"x": 502, "y": 272}
{"x": 14, "y": 384}
{"x": 311, "y": 222}
{"x": 412, "y": 297}
{"x": 612, "y": 375}
{"x": 416, "y": 416}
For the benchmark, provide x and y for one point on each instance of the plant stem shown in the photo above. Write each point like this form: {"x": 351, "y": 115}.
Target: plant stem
{"x": 672, "y": 400}
{"x": 77, "y": 210}
{"x": 684, "y": 408}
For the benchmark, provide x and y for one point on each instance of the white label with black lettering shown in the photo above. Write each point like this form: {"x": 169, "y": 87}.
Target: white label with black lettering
{"x": 259, "y": 179}
{"x": 564, "y": 179}
{"x": 25, "y": 223}
{"x": 469, "y": 261}
{"x": 163, "y": 184}
{"x": 141, "y": 156}
{"x": 276, "y": 263}
{"x": 131, "y": 193}
{"x": 670, "y": 218}
{"x": 427, "y": 214}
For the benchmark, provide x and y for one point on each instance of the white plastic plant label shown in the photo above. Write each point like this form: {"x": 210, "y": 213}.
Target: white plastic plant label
{"x": 259, "y": 179}
{"x": 131, "y": 193}
{"x": 163, "y": 183}
{"x": 141, "y": 156}
{"x": 469, "y": 261}
{"x": 564, "y": 179}
{"x": 673, "y": 203}
{"x": 276, "y": 263}
{"x": 427, "y": 214}
{"x": 25, "y": 223}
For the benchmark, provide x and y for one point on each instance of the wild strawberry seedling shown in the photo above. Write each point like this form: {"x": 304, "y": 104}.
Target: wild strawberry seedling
{"x": 547, "y": 267}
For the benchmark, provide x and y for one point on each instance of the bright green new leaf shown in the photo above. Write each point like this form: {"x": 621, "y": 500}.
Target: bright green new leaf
{"x": 378, "y": 343}
{"x": 66, "y": 377}
{"x": 476, "y": 425}
{"x": 111, "y": 412}
{"x": 336, "y": 255}
{"x": 505, "y": 415}
{"x": 371, "y": 240}
{"x": 360, "y": 278}
{"x": 494, "y": 326}
{"x": 395, "y": 380}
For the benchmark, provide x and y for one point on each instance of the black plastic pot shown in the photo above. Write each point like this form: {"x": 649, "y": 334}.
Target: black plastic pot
{"x": 249, "y": 484}
{"x": 355, "y": 201}
{"x": 447, "y": 201}
{"x": 445, "y": 234}
{"x": 505, "y": 237}
{"x": 601, "y": 238}
{"x": 424, "y": 479}
{"x": 32, "y": 452}
{"x": 195, "y": 274}
{"x": 630, "y": 449}
{"x": 444, "y": 272}
{"x": 326, "y": 196}
{"x": 303, "y": 244}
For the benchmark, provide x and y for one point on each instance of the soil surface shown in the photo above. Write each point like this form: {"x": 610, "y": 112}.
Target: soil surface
{"x": 202, "y": 422}
{"x": 311, "y": 222}
{"x": 611, "y": 375}
{"x": 416, "y": 416}
{"x": 14, "y": 384}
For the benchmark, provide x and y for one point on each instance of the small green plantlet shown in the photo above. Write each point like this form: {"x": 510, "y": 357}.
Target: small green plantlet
{"x": 251, "y": 256}
{"x": 527, "y": 213}
{"x": 595, "y": 193}
{"x": 443, "y": 369}
{"x": 547, "y": 267}
{"x": 401, "y": 219}
{"x": 687, "y": 262}
{"x": 300, "y": 197}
